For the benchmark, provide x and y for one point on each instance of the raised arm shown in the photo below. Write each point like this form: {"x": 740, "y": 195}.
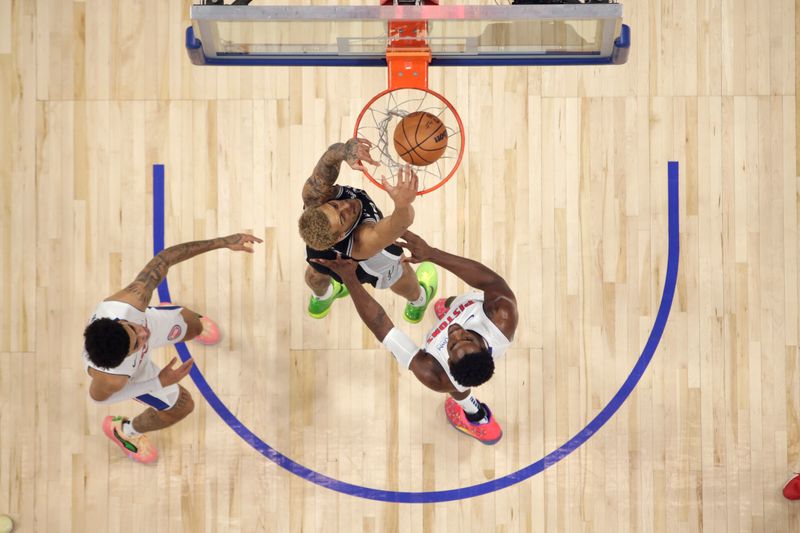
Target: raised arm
{"x": 370, "y": 311}
{"x": 140, "y": 290}
{"x": 319, "y": 187}
{"x": 372, "y": 238}
{"x": 404, "y": 350}
{"x": 499, "y": 300}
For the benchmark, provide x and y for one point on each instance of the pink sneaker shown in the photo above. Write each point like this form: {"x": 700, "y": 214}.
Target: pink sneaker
{"x": 210, "y": 334}
{"x": 439, "y": 308}
{"x": 138, "y": 448}
{"x": 791, "y": 491}
{"x": 488, "y": 433}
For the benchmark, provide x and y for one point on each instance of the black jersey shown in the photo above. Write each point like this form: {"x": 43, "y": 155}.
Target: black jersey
{"x": 369, "y": 269}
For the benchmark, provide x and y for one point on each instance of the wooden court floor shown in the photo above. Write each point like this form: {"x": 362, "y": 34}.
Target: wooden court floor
{"x": 563, "y": 190}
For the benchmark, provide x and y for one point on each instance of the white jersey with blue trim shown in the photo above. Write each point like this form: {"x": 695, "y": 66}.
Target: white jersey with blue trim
{"x": 466, "y": 311}
{"x": 133, "y": 364}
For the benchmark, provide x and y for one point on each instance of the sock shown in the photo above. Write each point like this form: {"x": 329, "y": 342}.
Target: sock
{"x": 328, "y": 293}
{"x": 473, "y": 409}
{"x": 423, "y": 298}
{"x": 127, "y": 429}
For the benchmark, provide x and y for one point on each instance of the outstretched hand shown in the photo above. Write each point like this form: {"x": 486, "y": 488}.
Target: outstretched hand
{"x": 169, "y": 376}
{"x": 420, "y": 250}
{"x": 357, "y": 150}
{"x": 240, "y": 242}
{"x": 343, "y": 267}
{"x": 406, "y": 189}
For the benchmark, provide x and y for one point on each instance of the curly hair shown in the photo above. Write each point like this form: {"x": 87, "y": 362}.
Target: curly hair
{"x": 473, "y": 369}
{"x": 315, "y": 229}
{"x": 106, "y": 342}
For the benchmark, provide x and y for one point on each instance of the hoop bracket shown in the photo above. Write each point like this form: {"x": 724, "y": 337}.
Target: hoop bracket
{"x": 408, "y": 54}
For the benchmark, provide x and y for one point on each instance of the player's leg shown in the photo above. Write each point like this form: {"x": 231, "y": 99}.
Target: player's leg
{"x": 318, "y": 282}
{"x": 199, "y": 328}
{"x": 468, "y": 415}
{"x": 153, "y": 419}
{"x": 325, "y": 290}
{"x": 418, "y": 288}
{"x": 166, "y": 407}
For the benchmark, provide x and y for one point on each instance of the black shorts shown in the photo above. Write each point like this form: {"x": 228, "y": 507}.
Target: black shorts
{"x": 381, "y": 270}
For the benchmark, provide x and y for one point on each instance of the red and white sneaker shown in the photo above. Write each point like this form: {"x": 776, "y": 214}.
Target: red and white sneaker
{"x": 138, "y": 448}
{"x": 488, "y": 432}
{"x": 791, "y": 490}
{"x": 210, "y": 334}
{"x": 440, "y": 308}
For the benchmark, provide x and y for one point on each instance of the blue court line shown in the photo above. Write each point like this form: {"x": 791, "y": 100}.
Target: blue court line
{"x": 464, "y": 492}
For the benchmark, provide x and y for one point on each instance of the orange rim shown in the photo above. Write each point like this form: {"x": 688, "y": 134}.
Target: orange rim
{"x": 452, "y": 109}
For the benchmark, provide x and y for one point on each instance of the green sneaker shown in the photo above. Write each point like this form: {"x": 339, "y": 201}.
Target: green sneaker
{"x": 429, "y": 279}
{"x": 320, "y": 308}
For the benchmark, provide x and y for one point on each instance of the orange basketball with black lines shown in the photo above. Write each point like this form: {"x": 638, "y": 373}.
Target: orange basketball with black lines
{"x": 420, "y": 138}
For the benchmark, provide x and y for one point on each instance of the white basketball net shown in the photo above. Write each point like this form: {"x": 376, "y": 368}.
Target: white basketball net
{"x": 377, "y": 125}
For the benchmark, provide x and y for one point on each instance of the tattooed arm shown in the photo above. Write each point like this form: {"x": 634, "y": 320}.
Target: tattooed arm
{"x": 139, "y": 292}
{"x": 319, "y": 188}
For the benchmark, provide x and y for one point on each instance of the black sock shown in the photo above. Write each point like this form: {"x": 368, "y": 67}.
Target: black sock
{"x": 477, "y": 417}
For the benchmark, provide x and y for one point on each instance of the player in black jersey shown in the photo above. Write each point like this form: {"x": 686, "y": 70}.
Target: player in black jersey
{"x": 338, "y": 219}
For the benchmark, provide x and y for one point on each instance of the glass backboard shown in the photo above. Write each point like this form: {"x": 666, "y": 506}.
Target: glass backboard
{"x": 561, "y": 34}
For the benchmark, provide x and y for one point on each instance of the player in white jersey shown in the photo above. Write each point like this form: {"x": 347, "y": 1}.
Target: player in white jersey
{"x": 459, "y": 351}
{"x": 338, "y": 219}
{"x": 123, "y": 331}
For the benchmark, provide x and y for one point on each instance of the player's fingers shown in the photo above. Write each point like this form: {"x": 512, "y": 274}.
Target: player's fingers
{"x": 171, "y": 362}
{"x": 363, "y": 141}
{"x": 184, "y": 368}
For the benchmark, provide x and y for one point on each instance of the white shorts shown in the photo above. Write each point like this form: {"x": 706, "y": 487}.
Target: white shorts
{"x": 167, "y": 327}
{"x": 384, "y": 268}
{"x": 163, "y": 398}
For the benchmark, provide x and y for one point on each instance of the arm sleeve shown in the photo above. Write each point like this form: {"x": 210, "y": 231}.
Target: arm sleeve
{"x": 132, "y": 390}
{"x": 401, "y": 346}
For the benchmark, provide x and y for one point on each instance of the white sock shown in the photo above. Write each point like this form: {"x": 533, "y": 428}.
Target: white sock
{"x": 423, "y": 297}
{"x": 328, "y": 293}
{"x": 127, "y": 429}
{"x": 471, "y": 406}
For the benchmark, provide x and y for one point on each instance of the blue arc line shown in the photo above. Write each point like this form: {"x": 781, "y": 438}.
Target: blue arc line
{"x": 464, "y": 492}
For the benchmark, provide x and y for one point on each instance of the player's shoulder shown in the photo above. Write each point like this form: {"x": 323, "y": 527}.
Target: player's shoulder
{"x": 430, "y": 373}
{"x": 502, "y": 311}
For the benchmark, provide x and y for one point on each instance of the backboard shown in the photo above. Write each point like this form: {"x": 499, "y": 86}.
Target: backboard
{"x": 327, "y": 35}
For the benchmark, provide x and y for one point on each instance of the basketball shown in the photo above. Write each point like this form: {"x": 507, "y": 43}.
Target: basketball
{"x": 420, "y": 138}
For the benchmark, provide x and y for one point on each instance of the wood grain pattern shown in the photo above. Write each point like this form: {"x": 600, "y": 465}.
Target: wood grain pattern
{"x": 562, "y": 190}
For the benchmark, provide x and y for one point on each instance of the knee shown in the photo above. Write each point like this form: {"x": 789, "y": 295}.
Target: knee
{"x": 182, "y": 407}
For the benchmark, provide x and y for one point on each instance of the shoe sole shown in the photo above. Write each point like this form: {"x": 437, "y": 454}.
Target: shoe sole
{"x": 109, "y": 431}
{"x": 465, "y": 432}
